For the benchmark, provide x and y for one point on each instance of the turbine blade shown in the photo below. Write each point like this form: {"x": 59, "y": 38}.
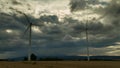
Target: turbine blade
{"x": 26, "y": 29}
{"x": 101, "y": 17}
{"x": 37, "y": 25}
{"x": 67, "y": 37}
{"x": 26, "y": 17}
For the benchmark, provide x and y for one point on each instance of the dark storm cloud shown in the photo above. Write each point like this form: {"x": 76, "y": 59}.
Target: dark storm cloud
{"x": 50, "y": 41}
{"x": 11, "y": 48}
{"x": 100, "y": 35}
{"x": 19, "y": 24}
{"x": 94, "y": 27}
{"x": 112, "y": 9}
{"x": 13, "y": 24}
{"x": 49, "y": 18}
{"x": 22, "y": 19}
{"x": 56, "y": 48}
{"x": 70, "y": 20}
{"x": 53, "y": 30}
{"x": 105, "y": 42}
{"x": 9, "y": 44}
{"x": 9, "y": 41}
{"x": 15, "y": 2}
{"x": 104, "y": 34}
{"x": 69, "y": 44}
{"x": 53, "y": 35}
{"x": 76, "y": 5}
{"x": 111, "y": 15}
{"x": 98, "y": 27}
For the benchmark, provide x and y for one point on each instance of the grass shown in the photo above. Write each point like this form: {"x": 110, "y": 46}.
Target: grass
{"x": 61, "y": 64}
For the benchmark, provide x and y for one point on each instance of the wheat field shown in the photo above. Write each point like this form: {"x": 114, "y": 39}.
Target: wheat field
{"x": 61, "y": 64}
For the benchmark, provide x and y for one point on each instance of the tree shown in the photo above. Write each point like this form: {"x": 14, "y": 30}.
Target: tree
{"x": 33, "y": 57}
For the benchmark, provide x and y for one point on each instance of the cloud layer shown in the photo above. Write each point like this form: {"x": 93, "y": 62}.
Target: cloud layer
{"x": 59, "y": 32}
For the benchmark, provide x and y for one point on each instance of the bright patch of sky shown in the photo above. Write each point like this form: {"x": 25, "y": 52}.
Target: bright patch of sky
{"x": 9, "y": 31}
{"x": 36, "y": 29}
{"x": 105, "y": 1}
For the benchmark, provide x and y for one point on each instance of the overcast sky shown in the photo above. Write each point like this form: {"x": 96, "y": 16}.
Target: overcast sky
{"x": 62, "y": 27}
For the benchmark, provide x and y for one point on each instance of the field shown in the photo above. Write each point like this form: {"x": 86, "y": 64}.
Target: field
{"x": 61, "y": 64}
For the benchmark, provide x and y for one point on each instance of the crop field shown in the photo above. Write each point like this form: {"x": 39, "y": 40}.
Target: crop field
{"x": 61, "y": 64}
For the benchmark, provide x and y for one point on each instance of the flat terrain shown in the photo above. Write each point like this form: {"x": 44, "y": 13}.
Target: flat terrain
{"x": 61, "y": 64}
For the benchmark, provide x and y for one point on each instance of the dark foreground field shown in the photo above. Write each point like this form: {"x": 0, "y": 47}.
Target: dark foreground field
{"x": 61, "y": 64}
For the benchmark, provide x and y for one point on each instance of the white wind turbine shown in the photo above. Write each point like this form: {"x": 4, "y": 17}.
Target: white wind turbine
{"x": 29, "y": 28}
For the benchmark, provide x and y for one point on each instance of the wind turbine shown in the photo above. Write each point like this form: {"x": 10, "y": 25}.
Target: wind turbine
{"x": 29, "y": 27}
{"x": 87, "y": 40}
{"x": 30, "y": 40}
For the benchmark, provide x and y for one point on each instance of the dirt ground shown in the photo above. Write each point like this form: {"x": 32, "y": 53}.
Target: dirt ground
{"x": 61, "y": 64}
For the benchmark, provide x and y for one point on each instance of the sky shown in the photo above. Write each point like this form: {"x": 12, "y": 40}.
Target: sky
{"x": 60, "y": 28}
